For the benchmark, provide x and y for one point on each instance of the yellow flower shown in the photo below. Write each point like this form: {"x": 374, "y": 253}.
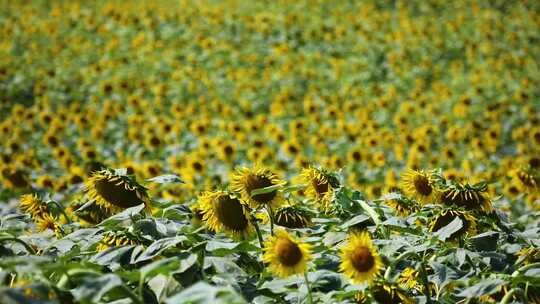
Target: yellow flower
{"x": 360, "y": 261}
{"x": 419, "y": 185}
{"x": 47, "y": 221}
{"x": 113, "y": 239}
{"x": 389, "y": 294}
{"x": 446, "y": 216}
{"x": 33, "y": 205}
{"x": 292, "y": 217}
{"x": 318, "y": 187}
{"x": 115, "y": 191}
{"x": 245, "y": 180}
{"x": 222, "y": 212}
{"x": 285, "y": 255}
{"x": 472, "y": 197}
{"x": 402, "y": 206}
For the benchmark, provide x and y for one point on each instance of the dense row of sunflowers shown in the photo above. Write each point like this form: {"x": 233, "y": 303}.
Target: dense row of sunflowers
{"x": 259, "y": 152}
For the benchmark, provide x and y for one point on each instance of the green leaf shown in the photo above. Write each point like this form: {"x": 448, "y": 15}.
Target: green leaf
{"x": 166, "y": 179}
{"x": 166, "y": 266}
{"x": 484, "y": 287}
{"x": 159, "y": 246}
{"x": 93, "y": 289}
{"x": 361, "y": 218}
{"x": 370, "y": 211}
{"x": 446, "y": 231}
{"x": 265, "y": 190}
{"x": 204, "y": 293}
{"x": 222, "y": 248}
{"x": 122, "y": 216}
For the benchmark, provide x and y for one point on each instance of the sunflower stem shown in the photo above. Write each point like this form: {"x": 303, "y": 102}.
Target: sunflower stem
{"x": 310, "y": 296}
{"x": 271, "y": 216}
{"x": 61, "y": 209}
{"x": 525, "y": 268}
{"x": 258, "y": 230}
{"x": 507, "y": 297}
{"x": 425, "y": 281}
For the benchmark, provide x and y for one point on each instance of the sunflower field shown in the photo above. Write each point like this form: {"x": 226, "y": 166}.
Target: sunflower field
{"x": 280, "y": 151}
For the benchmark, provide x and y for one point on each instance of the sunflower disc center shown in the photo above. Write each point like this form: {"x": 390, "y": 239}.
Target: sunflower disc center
{"x": 258, "y": 182}
{"x": 421, "y": 184}
{"x": 117, "y": 195}
{"x": 288, "y": 252}
{"x": 362, "y": 259}
{"x": 321, "y": 186}
{"x": 231, "y": 214}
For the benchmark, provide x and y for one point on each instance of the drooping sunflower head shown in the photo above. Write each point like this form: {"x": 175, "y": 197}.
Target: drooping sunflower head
{"x": 292, "y": 217}
{"x": 420, "y": 185}
{"x": 285, "y": 255}
{"x": 115, "y": 190}
{"x": 116, "y": 238}
{"x": 33, "y": 205}
{"x": 389, "y": 293}
{"x": 246, "y": 180}
{"x": 402, "y": 206}
{"x": 47, "y": 221}
{"x": 223, "y": 212}
{"x": 528, "y": 177}
{"x": 320, "y": 186}
{"x": 89, "y": 213}
{"x": 471, "y": 197}
{"x": 409, "y": 278}
{"x": 444, "y": 217}
{"x": 360, "y": 261}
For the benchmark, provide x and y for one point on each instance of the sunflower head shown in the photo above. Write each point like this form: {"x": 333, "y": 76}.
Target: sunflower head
{"x": 223, "y": 212}
{"x": 292, "y": 217}
{"x": 409, "y": 278}
{"x": 246, "y": 180}
{"x": 471, "y": 197}
{"x": 116, "y": 238}
{"x": 47, "y": 221}
{"x": 420, "y": 185}
{"x": 90, "y": 213}
{"x": 403, "y": 206}
{"x": 528, "y": 177}
{"x": 389, "y": 293}
{"x": 320, "y": 185}
{"x": 33, "y": 205}
{"x": 115, "y": 190}
{"x": 360, "y": 261}
{"x": 285, "y": 255}
{"x": 445, "y": 216}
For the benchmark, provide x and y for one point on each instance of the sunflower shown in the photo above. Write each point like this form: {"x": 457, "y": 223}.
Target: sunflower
{"x": 117, "y": 238}
{"x": 389, "y": 293}
{"x": 245, "y": 180}
{"x": 419, "y": 185}
{"x": 402, "y": 205}
{"x": 292, "y": 217}
{"x": 33, "y": 205}
{"x": 528, "y": 178}
{"x": 222, "y": 212}
{"x": 14, "y": 178}
{"x": 360, "y": 261}
{"x": 47, "y": 221}
{"x": 445, "y": 216}
{"x": 409, "y": 278}
{"x": 89, "y": 214}
{"x": 472, "y": 197}
{"x": 320, "y": 186}
{"x": 115, "y": 191}
{"x": 285, "y": 255}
